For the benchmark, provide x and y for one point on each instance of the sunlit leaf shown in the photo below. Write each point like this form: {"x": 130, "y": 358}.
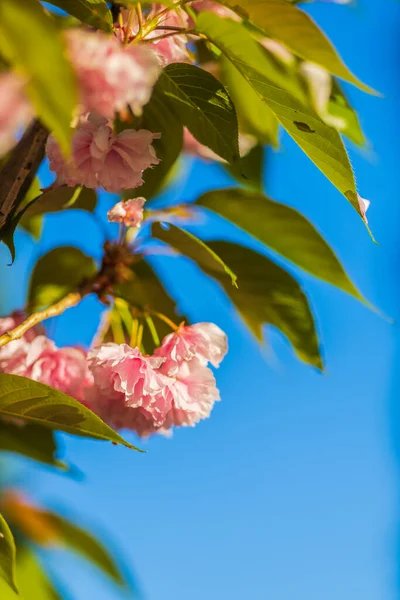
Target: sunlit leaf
{"x": 7, "y": 555}
{"x": 340, "y": 108}
{"x": 57, "y": 273}
{"x": 39, "y": 404}
{"x": 92, "y": 12}
{"x": 255, "y": 115}
{"x": 284, "y": 230}
{"x": 204, "y": 107}
{"x": 32, "y": 580}
{"x": 30, "y": 40}
{"x": 192, "y": 247}
{"x": 321, "y": 143}
{"x": 281, "y": 21}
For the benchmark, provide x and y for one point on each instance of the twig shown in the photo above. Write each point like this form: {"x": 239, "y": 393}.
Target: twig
{"x": 20, "y": 169}
{"x": 166, "y": 35}
{"x": 58, "y": 308}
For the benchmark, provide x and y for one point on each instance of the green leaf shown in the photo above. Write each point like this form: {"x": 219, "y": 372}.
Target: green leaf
{"x": 39, "y": 404}
{"x": 295, "y": 29}
{"x": 7, "y": 555}
{"x": 57, "y": 273}
{"x": 339, "y": 107}
{"x": 254, "y": 114}
{"x": 249, "y": 170}
{"x": 192, "y": 247}
{"x": 159, "y": 117}
{"x": 268, "y": 294}
{"x": 33, "y": 441}
{"x": 204, "y": 107}
{"x": 78, "y": 540}
{"x": 282, "y": 229}
{"x": 32, "y": 224}
{"x": 33, "y": 582}
{"x": 146, "y": 293}
{"x": 92, "y": 12}
{"x": 62, "y": 198}
{"x": 30, "y": 40}
{"x": 321, "y": 143}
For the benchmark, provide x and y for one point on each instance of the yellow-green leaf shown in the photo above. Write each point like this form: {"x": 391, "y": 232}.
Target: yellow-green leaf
{"x": 31, "y": 42}
{"x": 7, "y": 555}
{"x": 288, "y": 24}
{"x": 321, "y": 143}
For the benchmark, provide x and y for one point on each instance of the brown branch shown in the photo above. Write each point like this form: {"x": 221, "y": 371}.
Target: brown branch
{"x": 17, "y": 174}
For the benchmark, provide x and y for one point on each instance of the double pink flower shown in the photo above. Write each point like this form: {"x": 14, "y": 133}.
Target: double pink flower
{"x": 151, "y": 394}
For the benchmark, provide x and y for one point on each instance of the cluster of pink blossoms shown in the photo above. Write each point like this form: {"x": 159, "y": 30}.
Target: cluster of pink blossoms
{"x": 38, "y": 358}
{"x": 127, "y": 389}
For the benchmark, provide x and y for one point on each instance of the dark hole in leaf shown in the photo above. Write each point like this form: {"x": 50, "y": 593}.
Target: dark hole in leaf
{"x": 303, "y": 127}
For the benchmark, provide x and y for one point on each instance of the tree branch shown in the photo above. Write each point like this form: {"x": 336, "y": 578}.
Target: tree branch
{"x": 58, "y": 308}
{"x": 20, "y": 169}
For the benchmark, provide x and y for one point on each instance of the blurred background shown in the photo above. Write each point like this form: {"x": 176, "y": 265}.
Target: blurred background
{"x": 291, "y": 489}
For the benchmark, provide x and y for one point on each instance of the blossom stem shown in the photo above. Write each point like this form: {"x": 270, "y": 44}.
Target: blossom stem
{"x": 134, "y": 332}
{"x": 58, "y": 308}
{"x": 153, "y": 330}
{"x": 139, "y": 17}
{"x": 140, "y": 336}
{"x": 166, "y": 320}
{"x": 116, "y": 328}
{"x": 128, "y": 27}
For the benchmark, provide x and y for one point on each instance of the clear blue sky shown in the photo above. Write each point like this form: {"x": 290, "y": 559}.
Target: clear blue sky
{"x": 290, "y": 490}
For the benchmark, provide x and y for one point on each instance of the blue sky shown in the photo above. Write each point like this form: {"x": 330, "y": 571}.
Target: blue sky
{"x": 290, "y": 490}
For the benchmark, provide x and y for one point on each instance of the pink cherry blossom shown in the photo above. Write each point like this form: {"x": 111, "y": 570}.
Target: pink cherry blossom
{"x": 13, "y": 354}
{"x": 64, "y": 369}
{"x": 101, "y": 158}
{"x": 111, "y": 76}
{"x": 112, "y": 408}
{"x": 204, "y": 341}
{"x": 193, "y": 393}
{"x": 122, "y": 369}
{"x": 15, "y": 109}
{"x": 129, "y": 212}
